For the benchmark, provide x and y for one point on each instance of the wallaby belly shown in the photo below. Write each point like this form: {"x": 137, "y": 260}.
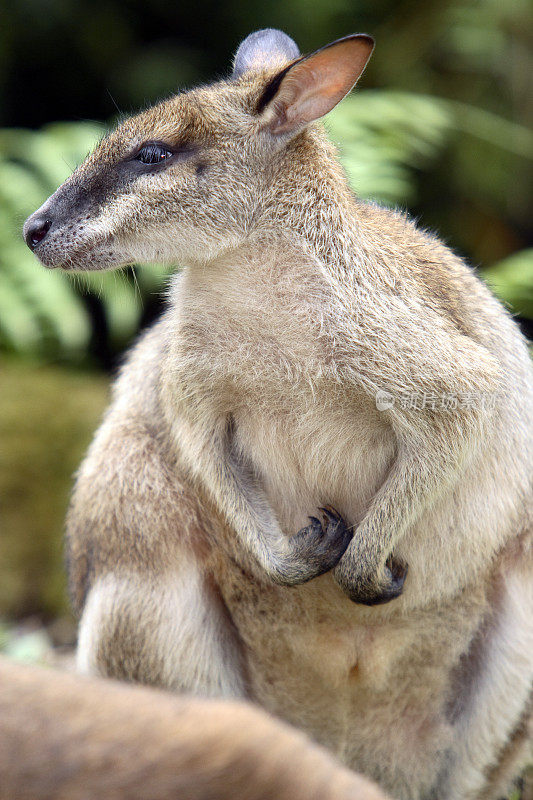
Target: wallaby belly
{"x": 346, "y": 674}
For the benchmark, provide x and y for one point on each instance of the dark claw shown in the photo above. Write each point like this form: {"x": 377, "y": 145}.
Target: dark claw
{"x": 330, "y": 513}
{"x": 398, "y": 571}
{"x": 317, "y": 548}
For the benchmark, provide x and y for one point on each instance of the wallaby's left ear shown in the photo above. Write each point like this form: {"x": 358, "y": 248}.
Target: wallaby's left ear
{"x": 314, "y": 84}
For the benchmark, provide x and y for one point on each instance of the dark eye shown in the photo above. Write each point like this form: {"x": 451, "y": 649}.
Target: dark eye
{"x": 153, "y": 153}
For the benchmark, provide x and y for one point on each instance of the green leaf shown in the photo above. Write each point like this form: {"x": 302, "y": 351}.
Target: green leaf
{"x": 512, "y": 280}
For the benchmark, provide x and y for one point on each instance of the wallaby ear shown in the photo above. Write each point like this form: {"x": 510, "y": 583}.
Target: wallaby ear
{"x": 266, "y": 49}
{"x": 311, "y": 86}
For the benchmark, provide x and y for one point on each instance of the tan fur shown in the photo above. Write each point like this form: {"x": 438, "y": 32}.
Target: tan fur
{"x": 253, "y": 402}
{"x": 67, "y": 738}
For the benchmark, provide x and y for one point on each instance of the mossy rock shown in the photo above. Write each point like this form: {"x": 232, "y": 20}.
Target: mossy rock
{"x": 47, "y": 418}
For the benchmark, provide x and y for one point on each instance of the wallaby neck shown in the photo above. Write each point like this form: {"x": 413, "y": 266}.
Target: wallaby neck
{"x": 309, "y": 203}
{"x": 305, "y": 206}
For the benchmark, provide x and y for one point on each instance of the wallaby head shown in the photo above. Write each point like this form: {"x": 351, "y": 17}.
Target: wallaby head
{"x": 183, "y": 181}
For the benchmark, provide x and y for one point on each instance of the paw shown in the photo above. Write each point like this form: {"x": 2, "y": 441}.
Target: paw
{"x": 372, "y": 590}
{"x": 315, "y": 549}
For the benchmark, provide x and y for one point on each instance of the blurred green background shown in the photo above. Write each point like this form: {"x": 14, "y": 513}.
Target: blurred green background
{"x": 441, "y": 126}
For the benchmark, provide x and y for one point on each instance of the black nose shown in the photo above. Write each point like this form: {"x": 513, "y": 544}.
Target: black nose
{"x": 36, "y": 232}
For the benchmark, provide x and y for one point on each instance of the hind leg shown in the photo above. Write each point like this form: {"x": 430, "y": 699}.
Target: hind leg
{"x": 494, "y": 714}
{"x": 168, "y": 630}
{"x": 138, "y": 558}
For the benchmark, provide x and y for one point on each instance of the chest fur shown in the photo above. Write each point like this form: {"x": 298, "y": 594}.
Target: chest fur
{"x": 258, "y": 349}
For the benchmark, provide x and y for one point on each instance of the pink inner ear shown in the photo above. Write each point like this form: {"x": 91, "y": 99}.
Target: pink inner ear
{"x": 314, "y": 85}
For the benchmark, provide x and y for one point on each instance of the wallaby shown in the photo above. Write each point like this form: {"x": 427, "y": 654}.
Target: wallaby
{"x": 63, "y": 737}
{"x": 318, "y": 352}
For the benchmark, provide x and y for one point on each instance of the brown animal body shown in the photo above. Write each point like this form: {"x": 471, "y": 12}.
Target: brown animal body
{"x": 257, "y": 400}
{"x": 63, "y": 737}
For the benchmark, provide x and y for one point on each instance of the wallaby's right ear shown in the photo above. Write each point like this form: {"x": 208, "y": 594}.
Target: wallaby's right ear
{"x": 311, "y": 86}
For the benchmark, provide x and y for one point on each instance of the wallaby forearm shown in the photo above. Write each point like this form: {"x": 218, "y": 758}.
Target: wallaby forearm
{"x": 367, "y": 567}
{"x": 208, "y": 453}
{"x": 433, "y": 443}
